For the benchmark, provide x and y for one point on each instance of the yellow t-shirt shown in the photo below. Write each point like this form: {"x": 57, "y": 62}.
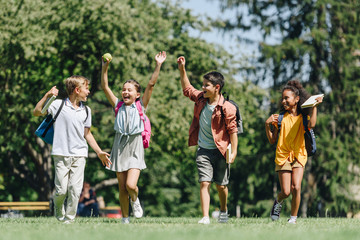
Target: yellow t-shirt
{"x": 291, "y": 142}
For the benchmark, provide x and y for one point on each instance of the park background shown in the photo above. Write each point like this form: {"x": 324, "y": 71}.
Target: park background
{"x": 43, "y": 42}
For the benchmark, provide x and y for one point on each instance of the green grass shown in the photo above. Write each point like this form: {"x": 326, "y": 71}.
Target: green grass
{"x": 49, "y": 228}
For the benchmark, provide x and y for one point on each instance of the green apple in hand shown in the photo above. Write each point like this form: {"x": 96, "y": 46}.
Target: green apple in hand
{"x": 107, "y": 56}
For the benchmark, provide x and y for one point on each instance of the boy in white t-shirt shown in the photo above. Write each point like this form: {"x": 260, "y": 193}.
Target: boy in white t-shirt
{"x": 70, "y": 149}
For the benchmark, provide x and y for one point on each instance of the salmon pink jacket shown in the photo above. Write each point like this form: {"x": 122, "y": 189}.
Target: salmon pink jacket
{"x": 221, "y": 127}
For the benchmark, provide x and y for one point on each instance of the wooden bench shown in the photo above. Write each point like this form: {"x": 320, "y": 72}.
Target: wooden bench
{"x": 111, "y": 211}
{"x": 24, "y": 206}
{"x": 109, "y": 208}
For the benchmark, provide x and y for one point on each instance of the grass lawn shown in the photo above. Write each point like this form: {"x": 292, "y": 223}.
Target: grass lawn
{"x": 41, "y": 228}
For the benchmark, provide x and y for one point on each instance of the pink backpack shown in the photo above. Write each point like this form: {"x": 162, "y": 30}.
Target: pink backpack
{"x": 146, "y": 134}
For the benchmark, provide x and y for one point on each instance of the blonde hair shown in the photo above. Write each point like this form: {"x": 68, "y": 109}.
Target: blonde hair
{"x": 75, "y": 81}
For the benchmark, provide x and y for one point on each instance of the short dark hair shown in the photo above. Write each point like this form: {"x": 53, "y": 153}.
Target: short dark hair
{"x": 215, "y": 78}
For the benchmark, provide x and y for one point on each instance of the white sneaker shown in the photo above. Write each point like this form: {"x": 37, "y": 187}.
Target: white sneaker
{"x": 292, "y": 221}
{"x": 60, "y": 213}
{"x": 125, "y": 220}
{"x": 136, "y": 207}
{"x": 223, "y": 217}
{"x": 60, "y": 219}
{"x": 204, "y": 220}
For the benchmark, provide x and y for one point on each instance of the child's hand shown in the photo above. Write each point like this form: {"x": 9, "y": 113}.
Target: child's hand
{"x": 160, "y": 57}
{"x": 232, "y": 157}
{"x": 273, "y": 119}
{"x": 53, "y": 92}
{"x": 181, "y": 62}
{"x": 105, "y": 63}
{"x": 104, "y": 157}
{"x": 319, "y": 100}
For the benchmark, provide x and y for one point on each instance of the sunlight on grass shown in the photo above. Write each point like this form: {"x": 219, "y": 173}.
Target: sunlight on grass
{"x": 42, "y": 228}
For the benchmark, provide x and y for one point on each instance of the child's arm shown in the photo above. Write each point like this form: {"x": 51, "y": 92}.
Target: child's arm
{"x": 104, "y": 156}
{"x": 272, "y": 134}
{"x": 234, "y": 144}
{"x": 183, "y": 76}
{"x": 105, "y": 84}
{"x": 37, "y": 110}
{"x": 159, "y": 58}
{"x": 313, "y": 114}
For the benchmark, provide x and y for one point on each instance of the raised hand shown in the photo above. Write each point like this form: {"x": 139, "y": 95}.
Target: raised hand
{"x": 319, "y": 100}
{"x": 160, "y": 57}
{"x": 105, "y": 63}
{"x": 53, "y": 92}
{"x": 181, "y": 62}
{"x": 273, "y": 119}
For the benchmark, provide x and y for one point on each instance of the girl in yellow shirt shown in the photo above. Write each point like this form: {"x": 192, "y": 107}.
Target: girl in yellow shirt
{"x": 291, "y": 155}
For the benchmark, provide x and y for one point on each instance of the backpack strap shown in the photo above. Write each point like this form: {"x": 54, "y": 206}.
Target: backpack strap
{"x": 118, "y": 106}
{"x": 225, "y": 99}
{"x": 87, "y": 113}
{"x": 58, "y": 111}
{"x": 139, "y": 108}
{"x": 280, "y": 118}
{"x": 222, "y": 111}
{"x": 305, "y": 122}
{"x": 226, "y": 96}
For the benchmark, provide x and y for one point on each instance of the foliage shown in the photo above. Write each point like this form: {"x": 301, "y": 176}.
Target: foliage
{"x": 45, "y": 42}
{"x": 318, "y": 44}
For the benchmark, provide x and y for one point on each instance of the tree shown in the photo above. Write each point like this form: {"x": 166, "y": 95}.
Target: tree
{"x": 47, "y": 41}
{"x": 319, "y": 44}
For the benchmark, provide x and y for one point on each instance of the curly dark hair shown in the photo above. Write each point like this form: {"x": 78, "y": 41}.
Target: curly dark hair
{"x": 298, "y": 90}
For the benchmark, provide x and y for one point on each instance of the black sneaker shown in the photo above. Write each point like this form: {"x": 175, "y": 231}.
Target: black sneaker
{"x": 223, "y": 217}
{"x": 275, "y": 211}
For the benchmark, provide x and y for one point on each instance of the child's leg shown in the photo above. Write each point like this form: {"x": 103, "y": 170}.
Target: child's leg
{"x": 296, "y": 177}
{"x": 61, "y": 184}
{"x": 123, "y": 193}
{"x": 131, "y": 183}
{"x": 76, "y": 180}
{"x": 223, "y": 194}
{"x": 285, "y": 184}
{"x": 205, "y": 171}
{"x": 205, "y": 198}
{"x": 221, "y": 178}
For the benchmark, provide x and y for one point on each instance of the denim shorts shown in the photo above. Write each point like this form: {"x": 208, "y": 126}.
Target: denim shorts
{"x": 212, "y": 166}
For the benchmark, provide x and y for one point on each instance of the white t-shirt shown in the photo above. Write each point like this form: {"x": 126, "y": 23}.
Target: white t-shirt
{"x": 69, "y": 129}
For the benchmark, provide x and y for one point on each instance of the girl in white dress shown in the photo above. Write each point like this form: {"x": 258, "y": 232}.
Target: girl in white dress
{"x": 127, "y": 154}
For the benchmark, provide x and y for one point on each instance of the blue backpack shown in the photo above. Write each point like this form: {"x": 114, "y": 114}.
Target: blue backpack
{"x": 46, "y": 129}
{"x": 309, "y": 135}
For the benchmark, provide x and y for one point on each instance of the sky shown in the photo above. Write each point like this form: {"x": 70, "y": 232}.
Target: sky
{"x": 211, "y": 8}
{"x": 242, "y": 51}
